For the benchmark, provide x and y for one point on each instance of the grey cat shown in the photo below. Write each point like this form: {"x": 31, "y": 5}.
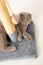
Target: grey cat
{"x": 24, "y": 19}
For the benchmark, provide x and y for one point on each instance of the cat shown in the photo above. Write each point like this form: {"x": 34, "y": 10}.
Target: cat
{"x": 4, "y": 41}
{"x": 24, "y": 19}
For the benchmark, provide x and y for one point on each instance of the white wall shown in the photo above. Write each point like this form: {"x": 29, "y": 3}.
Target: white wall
{"x": 36, "y": 8}
{"x": 32, "y": 6}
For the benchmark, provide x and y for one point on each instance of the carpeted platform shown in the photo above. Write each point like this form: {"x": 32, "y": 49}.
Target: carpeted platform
{"x": 25, "y": 49}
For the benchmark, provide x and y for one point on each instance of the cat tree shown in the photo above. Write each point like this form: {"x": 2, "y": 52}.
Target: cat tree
{"x": 6, "y": 21}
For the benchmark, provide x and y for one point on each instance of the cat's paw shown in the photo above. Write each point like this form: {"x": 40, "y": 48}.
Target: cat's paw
{"x": 27, "y": 36}
{"x": 19, "y": 38}
{"x": 8, "y": 49}
{"x": 13, "y": 48}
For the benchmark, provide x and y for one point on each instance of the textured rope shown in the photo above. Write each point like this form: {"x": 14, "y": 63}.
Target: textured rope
{"x": 9, "y": 6}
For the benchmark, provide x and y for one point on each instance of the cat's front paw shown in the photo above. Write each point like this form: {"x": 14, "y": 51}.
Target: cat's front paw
{"x": 27, "y": 36}
{"x": 13, "y": 48}
{"x": 19, "y": 38}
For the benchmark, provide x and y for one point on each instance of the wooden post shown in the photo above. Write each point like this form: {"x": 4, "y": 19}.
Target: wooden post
{"x": 5, "y": 18}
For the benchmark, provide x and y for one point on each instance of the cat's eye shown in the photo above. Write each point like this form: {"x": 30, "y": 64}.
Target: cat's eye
{"x": 28, "y": 18}
{"x": 25, "y": 22}
{"x": 23, "y": 18}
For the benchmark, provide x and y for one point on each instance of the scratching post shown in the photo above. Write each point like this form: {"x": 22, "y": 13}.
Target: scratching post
{"x": 6, "y": 21}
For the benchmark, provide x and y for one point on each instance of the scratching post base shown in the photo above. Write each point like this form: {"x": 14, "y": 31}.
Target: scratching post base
{"x": 25, "y": 49}
{"x": 13, "y": 36}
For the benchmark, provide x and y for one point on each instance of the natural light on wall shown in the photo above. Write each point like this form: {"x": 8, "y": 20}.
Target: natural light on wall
{"x": 33, "y": 6}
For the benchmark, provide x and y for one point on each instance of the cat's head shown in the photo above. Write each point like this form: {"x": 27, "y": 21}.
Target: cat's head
{"x": 25, "y": 18}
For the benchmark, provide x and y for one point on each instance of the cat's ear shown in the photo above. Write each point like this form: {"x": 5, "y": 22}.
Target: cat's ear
{"x": 30, "y": 15}
{"x": 21, "y": 15}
